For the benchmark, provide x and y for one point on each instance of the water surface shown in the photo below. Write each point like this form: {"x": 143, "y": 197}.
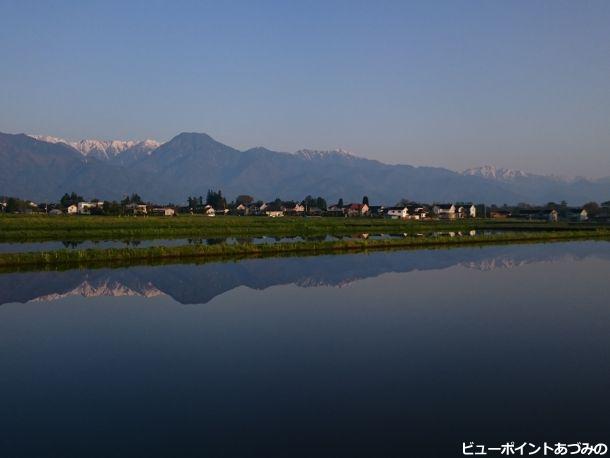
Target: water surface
{"x": 384, "y": 354}
{"x": 21, "y": 247}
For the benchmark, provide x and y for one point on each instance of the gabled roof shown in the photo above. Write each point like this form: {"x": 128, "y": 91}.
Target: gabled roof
{"x": 354, "y": 206}
{"x": 415, "y": 207}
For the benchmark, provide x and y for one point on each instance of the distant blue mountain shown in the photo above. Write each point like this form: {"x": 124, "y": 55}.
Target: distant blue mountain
{"x": 192, "y": 163}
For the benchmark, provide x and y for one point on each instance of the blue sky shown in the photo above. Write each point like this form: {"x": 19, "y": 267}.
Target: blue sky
{"x": 521, "y": 84}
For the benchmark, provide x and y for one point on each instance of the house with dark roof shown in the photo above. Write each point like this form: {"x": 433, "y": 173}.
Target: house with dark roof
{"x": 356, "y": 209}
{"x": 577, "y": 214}
{"x": 400, "y": 212}
{"x": 376, "y": 210}
{"x": 294, "y": 209}
{"x": 417, "y": 211}
{"x": 444, "y": 210}
{"x": 552, "y": 215}
{"x": 538, "y": 214}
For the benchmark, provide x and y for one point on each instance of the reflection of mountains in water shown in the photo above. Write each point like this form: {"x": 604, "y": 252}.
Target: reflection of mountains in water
{"x": 198, "y": 284}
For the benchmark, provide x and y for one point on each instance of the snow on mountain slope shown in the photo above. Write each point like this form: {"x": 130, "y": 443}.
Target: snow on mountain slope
{"x": 103, "y": 149}
{"x": 494, "y": 173}
{"x": 491, "y": 172}
{"x": 311, "y": 154}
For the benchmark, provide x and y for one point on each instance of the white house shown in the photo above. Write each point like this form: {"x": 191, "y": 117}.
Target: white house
{"x": 417, "y": 212}
{"x": 138, "y": 209}
{"x": 208, "y": 210}
{"x": 356, "y": 209}
{"x": 84, "y": 208}
{"x": 466, "y": 211}
{"x": 72, "y": 209}
{"x": 578, "y": 214}
{"x": 397, "y": 212}
{"x": 164, "y": 211}
{"x": 296, "y": 209}
{"x": 444, "y": 210}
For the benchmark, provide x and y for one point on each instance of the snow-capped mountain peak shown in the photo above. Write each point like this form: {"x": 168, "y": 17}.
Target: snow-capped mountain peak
{"x": 103, "y": 149}
{"x": 311, "y": 154}
{"x": 150, "y": 143}
{"x": 50, "y": 139}
{"x": 495, "y": 173}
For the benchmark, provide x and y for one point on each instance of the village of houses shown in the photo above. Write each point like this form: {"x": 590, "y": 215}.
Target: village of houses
{"x": 277, "y": 209}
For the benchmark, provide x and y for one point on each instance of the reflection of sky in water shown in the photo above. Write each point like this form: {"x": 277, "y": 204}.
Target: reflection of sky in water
{"x": 410, "y": 357}
{"x": 192, "y": 283}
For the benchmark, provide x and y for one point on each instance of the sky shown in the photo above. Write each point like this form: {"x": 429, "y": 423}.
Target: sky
{"x": 457, "y": 84}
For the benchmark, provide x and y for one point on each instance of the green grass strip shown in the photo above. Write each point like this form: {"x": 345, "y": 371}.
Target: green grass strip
{"x": 26, "y": 228}
{"x": 125, "y": 256}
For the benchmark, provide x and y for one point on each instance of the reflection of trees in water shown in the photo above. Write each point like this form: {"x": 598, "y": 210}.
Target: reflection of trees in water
{"x": 215, "y": 241}
{"x": 132, "y": 242}
{"x": 70, "y": 244}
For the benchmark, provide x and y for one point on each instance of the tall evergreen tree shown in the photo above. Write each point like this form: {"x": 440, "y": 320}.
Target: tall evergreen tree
{"x": 215, "y": 199}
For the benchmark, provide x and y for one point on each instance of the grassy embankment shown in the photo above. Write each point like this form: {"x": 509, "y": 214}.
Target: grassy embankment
{"x": 204, "y": 253}
{"x": 24, "y": 228}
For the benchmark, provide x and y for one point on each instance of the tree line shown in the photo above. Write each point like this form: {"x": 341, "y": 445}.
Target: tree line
{"x": 216, "y": 200}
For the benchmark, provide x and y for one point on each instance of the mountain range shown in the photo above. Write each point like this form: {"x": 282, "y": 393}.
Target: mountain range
{"x": 43, "y": 168}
